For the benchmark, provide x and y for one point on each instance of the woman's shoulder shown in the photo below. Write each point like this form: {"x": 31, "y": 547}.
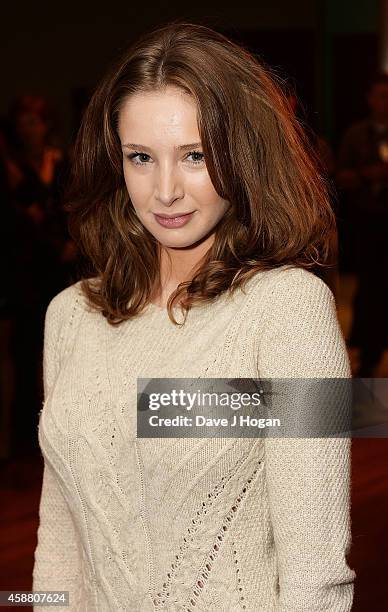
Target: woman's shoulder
{"x": 63, "y": 318}
{"x": 68, "y": 298}
{"x": 67, "y": 307}
{"x": 291, "y": 298}
{"x": 287, "y": 281}
{"x": 299, "y": 334}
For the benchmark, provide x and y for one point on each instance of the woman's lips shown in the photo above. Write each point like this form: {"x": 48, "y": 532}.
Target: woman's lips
{"x": 174, "y": 221}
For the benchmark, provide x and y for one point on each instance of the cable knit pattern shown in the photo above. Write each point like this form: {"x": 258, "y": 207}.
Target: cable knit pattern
{"x": 200, "y": 524}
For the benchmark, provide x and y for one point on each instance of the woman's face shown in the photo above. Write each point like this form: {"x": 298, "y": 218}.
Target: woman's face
{"x": 164, "y": 167}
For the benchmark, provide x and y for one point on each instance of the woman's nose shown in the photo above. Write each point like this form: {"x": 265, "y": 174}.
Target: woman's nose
{"x": 168, "y": 186}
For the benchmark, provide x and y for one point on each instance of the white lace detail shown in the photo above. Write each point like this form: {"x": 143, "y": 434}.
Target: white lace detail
{"x": 204, "y": 572}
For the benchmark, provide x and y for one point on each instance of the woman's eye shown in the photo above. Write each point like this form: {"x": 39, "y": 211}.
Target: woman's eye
{"x": 141, "y": 159}
{"x": 140, "y": 162}
{"x": 198, "y": 157}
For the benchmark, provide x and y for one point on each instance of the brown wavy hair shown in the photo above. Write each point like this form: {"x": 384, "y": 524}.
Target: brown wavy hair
{"x": 257, "y": 156}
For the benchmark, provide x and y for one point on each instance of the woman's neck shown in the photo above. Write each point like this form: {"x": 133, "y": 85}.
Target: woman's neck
{"x": 178, "y": 265}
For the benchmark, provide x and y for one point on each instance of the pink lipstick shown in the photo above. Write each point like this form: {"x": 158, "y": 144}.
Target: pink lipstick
{"x": 177, "y": 221}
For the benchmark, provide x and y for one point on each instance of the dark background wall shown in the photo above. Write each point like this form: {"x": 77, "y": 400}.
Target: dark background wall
{"x": 328, "y": 47}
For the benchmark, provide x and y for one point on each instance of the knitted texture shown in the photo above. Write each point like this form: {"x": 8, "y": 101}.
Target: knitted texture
{"x": 200, "y": 524}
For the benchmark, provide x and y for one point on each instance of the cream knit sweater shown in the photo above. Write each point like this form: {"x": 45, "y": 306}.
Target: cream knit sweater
{"x": 191, "y": 524}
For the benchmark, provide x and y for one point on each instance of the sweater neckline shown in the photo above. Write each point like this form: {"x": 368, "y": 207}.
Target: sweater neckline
{"x": 152, "y": 308}
{"x": 162, "y": 310}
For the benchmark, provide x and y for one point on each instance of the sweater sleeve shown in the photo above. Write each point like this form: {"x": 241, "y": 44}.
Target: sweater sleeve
{"x": 56, "y": 556}
{"x": 307, "y": 479}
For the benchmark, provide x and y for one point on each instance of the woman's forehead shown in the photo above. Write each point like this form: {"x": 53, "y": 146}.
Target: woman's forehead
{"x": 158, "y": 116}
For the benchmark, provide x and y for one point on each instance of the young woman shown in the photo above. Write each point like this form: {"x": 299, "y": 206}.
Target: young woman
{"x": 201, "y": 212}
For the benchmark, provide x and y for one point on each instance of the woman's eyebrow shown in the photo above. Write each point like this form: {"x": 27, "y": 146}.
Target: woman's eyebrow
{"x": 132, "y": 145}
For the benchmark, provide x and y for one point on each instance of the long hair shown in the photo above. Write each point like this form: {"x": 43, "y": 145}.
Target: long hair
{"x": 256, "y": 154}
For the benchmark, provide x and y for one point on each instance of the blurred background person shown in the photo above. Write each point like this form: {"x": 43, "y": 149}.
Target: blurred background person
{"x": 362, "y": 177}
{"x": 36, "y": 169}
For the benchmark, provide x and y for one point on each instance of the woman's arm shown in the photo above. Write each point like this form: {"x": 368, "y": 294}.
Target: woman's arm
{"x": 57, "y": 556}
{"x": 308, "y": 479}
